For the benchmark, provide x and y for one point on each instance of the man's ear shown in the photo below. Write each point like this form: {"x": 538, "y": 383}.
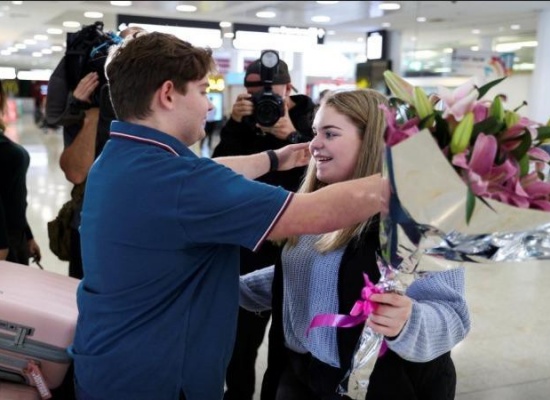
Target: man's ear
{"x": 165, "y": 94}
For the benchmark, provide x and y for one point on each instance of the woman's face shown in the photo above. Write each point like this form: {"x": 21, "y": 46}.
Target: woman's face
{"x": 335, "y": 146}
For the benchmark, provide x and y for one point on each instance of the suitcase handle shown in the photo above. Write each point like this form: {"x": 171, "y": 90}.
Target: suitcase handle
{"x": 21, "y": 331}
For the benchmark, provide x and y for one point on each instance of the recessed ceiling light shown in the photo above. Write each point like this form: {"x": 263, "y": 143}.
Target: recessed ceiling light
{"x": 225, "y": 24}
{"x": 229, "y": 35}
{"x": 37, "y": 54}
{"x": 93, "y": 14}
{"x": 40, "y": 37}
{"x": 30, "y": 42}
{"x": 327, "y": 2}
{"x": 21, "y": 46}
{"x": 46, "y": 51}
{"x": 320, "y": 18}
{"x": 389, "y": 6}
{"x": 474, "y": 48}
{"x": 515, "y": 27}
{"x": 386, "y": 24}
{"x": 421, "y": 19}
{"x": 57, "y": 48}
{"x": 266, "y": 14}
{"x": 121, "y": 3}
{"x": 447, "y": 50}
{"x": 71, "y": 24}
{"x": 476, "y": 31}
{"x": 54, "y": 31}
{"x": 186, "y": 8}
{"x": 16, "y": 3}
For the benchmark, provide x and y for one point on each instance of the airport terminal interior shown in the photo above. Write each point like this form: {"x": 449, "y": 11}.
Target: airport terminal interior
{"x": 506, "y": 355}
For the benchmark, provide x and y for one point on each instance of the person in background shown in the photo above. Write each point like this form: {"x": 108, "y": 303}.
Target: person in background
{"x": 161, "y": 230}
{"x": 323, "y": 274}
{"x": 17, "y": 242}
{"x": 85, "y": 132}
{"x": 241, "y": 136}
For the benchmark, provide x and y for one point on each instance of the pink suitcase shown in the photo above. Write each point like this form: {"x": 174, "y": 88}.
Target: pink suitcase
{"x": 13, "y": 391}
{"x": 38, "y": 316}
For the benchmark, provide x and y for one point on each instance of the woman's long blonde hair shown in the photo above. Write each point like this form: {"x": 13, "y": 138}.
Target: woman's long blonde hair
{"x": 361, "y": 106}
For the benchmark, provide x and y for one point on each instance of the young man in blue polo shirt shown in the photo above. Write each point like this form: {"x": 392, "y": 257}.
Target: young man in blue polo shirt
{"x": 161, "y": 230}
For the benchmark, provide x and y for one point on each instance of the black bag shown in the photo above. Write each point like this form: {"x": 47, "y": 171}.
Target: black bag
{"x": 59, "y": 229}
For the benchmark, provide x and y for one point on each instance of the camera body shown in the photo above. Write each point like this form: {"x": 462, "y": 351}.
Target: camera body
{"x": 268, "y": 106}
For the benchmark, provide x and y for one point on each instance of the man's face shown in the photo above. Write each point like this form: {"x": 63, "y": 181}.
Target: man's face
{"x": 281, "y": 89}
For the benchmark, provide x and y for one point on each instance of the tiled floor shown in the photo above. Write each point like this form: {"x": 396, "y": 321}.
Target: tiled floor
{"x": 505, "y": 357}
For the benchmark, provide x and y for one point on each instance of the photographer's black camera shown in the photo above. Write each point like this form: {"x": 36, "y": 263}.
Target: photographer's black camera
{"x": 268, "y": 106}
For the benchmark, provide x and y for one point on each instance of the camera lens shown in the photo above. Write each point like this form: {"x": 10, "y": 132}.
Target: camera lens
{"x": 268, "y": 112}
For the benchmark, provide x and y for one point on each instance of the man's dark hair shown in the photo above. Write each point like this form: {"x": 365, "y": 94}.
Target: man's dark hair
{"x": 140, "y": 66}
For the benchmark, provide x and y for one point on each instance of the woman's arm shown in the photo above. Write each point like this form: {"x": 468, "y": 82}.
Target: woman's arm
{"x": 439, "y": 320}
{"x": 255, "y": 289}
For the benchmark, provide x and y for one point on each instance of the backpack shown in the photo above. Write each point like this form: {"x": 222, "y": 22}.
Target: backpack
{"x": 59, "y": 229}
{"x": 87, "y": 52}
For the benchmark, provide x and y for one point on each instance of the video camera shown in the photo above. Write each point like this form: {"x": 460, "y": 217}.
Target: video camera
{"x": 268, "y": 106}
{"x": 87, "y": 52}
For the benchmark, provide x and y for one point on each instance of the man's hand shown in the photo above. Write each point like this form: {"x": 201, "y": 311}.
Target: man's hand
{"x": 34, "y": 250}
{"x": 4, "y": 253}
{"x": 86, "y": 87}
{"x": 391, "y": 314}
{"x": 293, "y": 155}
{"x": 242, "y": 107}
{"x": 282, "y": 128}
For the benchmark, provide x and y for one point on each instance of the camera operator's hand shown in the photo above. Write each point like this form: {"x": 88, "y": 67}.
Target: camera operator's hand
{"x": 86, "y": 87}
{"x": 293, "y": 155}
{"x": 242, "y": 107}
{"x": 282, "y": 128}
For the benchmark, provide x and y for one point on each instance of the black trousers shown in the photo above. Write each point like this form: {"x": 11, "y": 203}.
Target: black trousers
{"x": 75, "y": 264}
{"x": 240, "y": 377}
{"x": 306, "y": 378}
{"x": 18, "y": 248}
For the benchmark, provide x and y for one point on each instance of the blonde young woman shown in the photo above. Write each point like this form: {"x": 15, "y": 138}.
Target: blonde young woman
{"x": 320, "y": 274}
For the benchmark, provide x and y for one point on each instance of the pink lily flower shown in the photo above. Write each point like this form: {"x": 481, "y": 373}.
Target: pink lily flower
{"x": 460, "y": 101}
{"x": 484, "y": 177}
{"x": 396, "y": 133}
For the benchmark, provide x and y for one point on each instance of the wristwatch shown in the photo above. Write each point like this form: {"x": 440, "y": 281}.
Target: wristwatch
{"x": 295, "y": 137}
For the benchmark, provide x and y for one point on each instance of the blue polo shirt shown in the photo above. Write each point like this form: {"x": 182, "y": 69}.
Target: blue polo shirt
{"x": 160, "y": 233}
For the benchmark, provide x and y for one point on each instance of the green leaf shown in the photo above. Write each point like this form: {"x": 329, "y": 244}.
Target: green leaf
{"x": 543, "y": 133}
{"x": 489, "y": 126}
{"x": 470, "y": 205}
{"x": 524, "y": 165}
{"x": 488, "y": 86}
{"x": 441, "y": 131}
{"x": 524, "y": 146}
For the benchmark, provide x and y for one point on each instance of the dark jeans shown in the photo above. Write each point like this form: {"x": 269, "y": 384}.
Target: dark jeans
{"x": 81, "y": 395}
{"x": 75, "y": 264}
{"x": 240, "y": 377}
{"x": 66, "y": 390}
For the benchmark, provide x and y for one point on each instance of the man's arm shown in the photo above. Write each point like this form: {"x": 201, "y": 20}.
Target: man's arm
{"x": 333, "y": 207}
{"x": 77, "y": 158}
{"x": 255, "y": 165}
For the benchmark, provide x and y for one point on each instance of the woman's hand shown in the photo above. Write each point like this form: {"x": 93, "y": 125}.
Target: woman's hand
{"x": 391, "y": 313}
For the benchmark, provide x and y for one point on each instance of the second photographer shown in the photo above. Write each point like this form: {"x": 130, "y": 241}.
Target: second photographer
{"x": 242, "y": 135}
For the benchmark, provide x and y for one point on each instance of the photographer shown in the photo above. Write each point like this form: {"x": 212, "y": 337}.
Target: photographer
{"x": 242, "y": 135}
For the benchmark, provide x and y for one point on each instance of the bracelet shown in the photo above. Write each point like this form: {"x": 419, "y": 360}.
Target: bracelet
{"x": 273, "y": 160}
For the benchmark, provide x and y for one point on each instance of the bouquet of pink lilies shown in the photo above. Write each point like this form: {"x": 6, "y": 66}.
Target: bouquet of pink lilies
{"x": 495, "y": 151}
{"x": 468, "y": 184}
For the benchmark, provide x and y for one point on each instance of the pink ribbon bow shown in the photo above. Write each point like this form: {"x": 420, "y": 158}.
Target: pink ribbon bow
{"x": 358, "y": 314}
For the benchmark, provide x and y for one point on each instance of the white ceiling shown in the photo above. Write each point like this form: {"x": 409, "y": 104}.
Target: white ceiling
{"x": 449, "y": 23}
